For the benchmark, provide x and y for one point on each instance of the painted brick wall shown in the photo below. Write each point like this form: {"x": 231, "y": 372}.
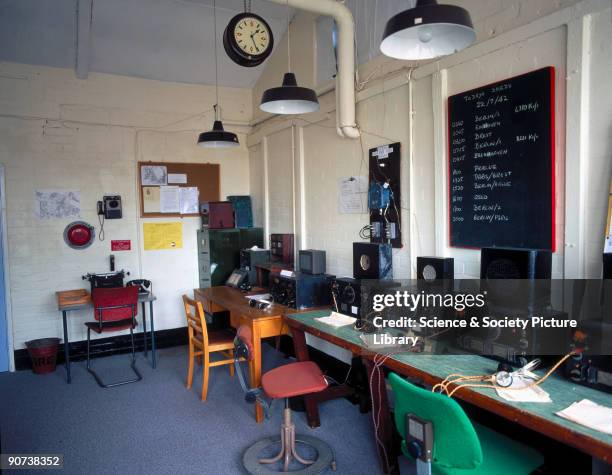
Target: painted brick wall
{"x": 98, "y": 129}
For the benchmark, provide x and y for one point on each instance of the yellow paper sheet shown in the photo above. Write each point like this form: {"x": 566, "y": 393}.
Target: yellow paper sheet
{"x": 150, "y": 199}
{"x": 163, "y": 236}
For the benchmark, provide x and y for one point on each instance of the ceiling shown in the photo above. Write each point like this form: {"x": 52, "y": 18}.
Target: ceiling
{"x": 167, "y": 40}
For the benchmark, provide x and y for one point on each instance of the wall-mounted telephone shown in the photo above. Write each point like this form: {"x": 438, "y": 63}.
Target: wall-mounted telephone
{"x": 144, "y": 286}
{"x": 110, "y": 207}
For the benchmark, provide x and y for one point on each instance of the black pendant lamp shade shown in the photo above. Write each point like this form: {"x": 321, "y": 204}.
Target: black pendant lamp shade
{"x": 289, "y": 98}
{"x": 218, "y": 138}
{"x": 427, "y": 31}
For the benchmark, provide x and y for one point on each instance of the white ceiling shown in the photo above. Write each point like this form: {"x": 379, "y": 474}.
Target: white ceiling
{"x": 167, "y": 40}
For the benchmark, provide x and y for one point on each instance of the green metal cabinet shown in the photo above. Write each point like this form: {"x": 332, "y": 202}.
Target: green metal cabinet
{"x": 219, "y": 252}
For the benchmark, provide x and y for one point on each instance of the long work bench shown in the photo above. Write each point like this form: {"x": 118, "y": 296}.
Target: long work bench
{"x": 431, "y": 369}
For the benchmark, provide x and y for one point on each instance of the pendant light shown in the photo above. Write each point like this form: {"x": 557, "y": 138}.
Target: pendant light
{"x": 289, "y": 98}
{"x": 427, "y": 31}
{"x": 217, "y": 137}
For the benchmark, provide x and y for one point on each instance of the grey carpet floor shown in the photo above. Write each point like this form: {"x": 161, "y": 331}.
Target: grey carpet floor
{"x": 157, "y": 426}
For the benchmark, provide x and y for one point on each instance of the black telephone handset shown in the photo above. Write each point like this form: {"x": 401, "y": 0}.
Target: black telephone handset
{"x": 144, "y": 286}
{"x": 239, "y": 279}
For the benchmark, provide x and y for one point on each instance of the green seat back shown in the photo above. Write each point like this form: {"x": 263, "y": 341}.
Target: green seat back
{"x": 456, "y": 443}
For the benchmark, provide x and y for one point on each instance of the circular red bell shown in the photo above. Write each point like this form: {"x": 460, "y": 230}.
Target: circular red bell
{"x": 79, "y": 235}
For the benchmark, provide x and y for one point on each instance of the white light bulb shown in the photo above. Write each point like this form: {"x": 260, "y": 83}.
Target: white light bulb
{"x": 425, "y": 35}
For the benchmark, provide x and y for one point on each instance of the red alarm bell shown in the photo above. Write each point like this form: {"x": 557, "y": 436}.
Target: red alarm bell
{"x": 79, "y": 235}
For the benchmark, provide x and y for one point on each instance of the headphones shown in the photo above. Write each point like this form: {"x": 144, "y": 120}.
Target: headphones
{"x": 260, "y": 304}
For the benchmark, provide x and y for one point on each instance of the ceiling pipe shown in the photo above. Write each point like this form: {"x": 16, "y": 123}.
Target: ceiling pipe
{"x": 345, "y": 82}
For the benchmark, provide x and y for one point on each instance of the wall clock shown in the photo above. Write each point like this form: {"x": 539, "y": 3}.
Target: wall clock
{"x": 248, "y": 39}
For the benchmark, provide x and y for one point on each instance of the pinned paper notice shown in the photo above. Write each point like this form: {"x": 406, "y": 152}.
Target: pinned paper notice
{"x": 177, "y": 178}
{"x": 352, "y": 194}
{"x": 188, "y": 197}
{"x": 158, "y": 236}
{"x": 169, "y": 199}
{"x": 150, "y": 199}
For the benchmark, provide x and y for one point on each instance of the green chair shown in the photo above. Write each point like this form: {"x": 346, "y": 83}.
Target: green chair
{"x": 460, "y": 447}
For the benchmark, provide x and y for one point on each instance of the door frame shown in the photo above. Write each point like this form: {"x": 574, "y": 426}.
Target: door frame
{"x": 7, "y": 286}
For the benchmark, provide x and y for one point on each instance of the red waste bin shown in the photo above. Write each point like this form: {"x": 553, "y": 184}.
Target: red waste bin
{"x": 43, "y": 353}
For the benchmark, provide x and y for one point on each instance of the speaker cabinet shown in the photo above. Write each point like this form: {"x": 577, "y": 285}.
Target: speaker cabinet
{"x": 372, "y": 260}
{"x": 516, "y": 280}
{"x": 501, "y": 263}
{"x": 607, "y": 265}
{"x": 435, "y": 268}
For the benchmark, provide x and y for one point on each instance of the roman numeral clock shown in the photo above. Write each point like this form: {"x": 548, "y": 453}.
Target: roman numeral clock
{"x": 248, "y": 39}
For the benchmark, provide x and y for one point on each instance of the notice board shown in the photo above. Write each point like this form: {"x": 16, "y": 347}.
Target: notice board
{"x": 502, "y": 164}
{"x": 182, "y": 176}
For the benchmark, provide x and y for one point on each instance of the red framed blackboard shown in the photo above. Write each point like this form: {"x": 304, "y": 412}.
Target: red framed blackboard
{"x": 501, "y": 164}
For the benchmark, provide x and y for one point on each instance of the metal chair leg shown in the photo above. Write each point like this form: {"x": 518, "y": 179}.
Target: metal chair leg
{"x": 132, "y": 365}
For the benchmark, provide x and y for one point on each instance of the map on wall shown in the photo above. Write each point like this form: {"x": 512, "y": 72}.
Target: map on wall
{"x": 58, "y": 204}
{"x": 153, "y": 175}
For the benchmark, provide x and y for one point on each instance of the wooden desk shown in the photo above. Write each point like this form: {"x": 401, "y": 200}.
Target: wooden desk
{"x": 69, "y": 300}
{"x": 431, "y": 369}
{"x": 263, "y": 323}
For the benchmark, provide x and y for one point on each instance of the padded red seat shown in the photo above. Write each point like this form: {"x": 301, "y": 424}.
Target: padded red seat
{"x": 294, "y": 379}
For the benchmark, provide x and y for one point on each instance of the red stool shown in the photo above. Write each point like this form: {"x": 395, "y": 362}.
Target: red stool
{"x": 294, "y": 379}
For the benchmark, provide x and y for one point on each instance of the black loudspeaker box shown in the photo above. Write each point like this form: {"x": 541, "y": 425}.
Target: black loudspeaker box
{"x": 435, "y": 268}
{"x": 502, "y": 263}
{"x": 372, "y": 260}
{"x": 301, "y": 290}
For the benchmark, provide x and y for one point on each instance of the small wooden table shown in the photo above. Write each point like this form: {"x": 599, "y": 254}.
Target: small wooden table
{"x": 79, "y": 299}
{"x": 263, "y": 323}
{"x": 431, "y": 369}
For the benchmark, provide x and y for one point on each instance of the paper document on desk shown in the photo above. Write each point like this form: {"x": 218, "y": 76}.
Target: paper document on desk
{"x": 528, "y": 394}
{"x": 589, "y": 414}
{"x": 337, "y": 320}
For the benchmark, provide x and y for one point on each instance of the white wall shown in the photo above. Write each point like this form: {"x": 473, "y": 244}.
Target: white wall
{"x": 57, "y": 132}
{"x": 514, "y": 37}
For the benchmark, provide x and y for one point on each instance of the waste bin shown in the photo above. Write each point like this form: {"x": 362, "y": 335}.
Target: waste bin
{"x": 43, "y": 353}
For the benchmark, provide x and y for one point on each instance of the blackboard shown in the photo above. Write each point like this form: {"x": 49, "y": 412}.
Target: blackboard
{"x": 502, "y": 164}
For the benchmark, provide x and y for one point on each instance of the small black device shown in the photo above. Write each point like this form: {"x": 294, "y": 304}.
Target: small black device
{"x": 591, "y": 365}
{"x": 510, "y": 263}
{"x": 300, "y": 290}
{"x": 248, "y": 39}
{"x": 312, "y": 261}
{"x": 238, "y": 279}
{"x": 145, "y": 287}
{"x": 347, "y": 292}
{"x": 607, "y": 265}
{"x": 106, "y": 281}
{"x": 110, "y": 207}
{"x": 435, "y": 268}
{"x": 112, "y": 263}
{"x": 372, "y": 260}
{"x": 419, "y": 439}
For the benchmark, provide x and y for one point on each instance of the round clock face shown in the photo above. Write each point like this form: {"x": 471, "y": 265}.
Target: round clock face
{"x": 252, "y": 36}
{"x": 248, "y": 40}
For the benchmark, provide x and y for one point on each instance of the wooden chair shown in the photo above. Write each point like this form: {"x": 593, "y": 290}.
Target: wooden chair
{"x": 202, "y": 343}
